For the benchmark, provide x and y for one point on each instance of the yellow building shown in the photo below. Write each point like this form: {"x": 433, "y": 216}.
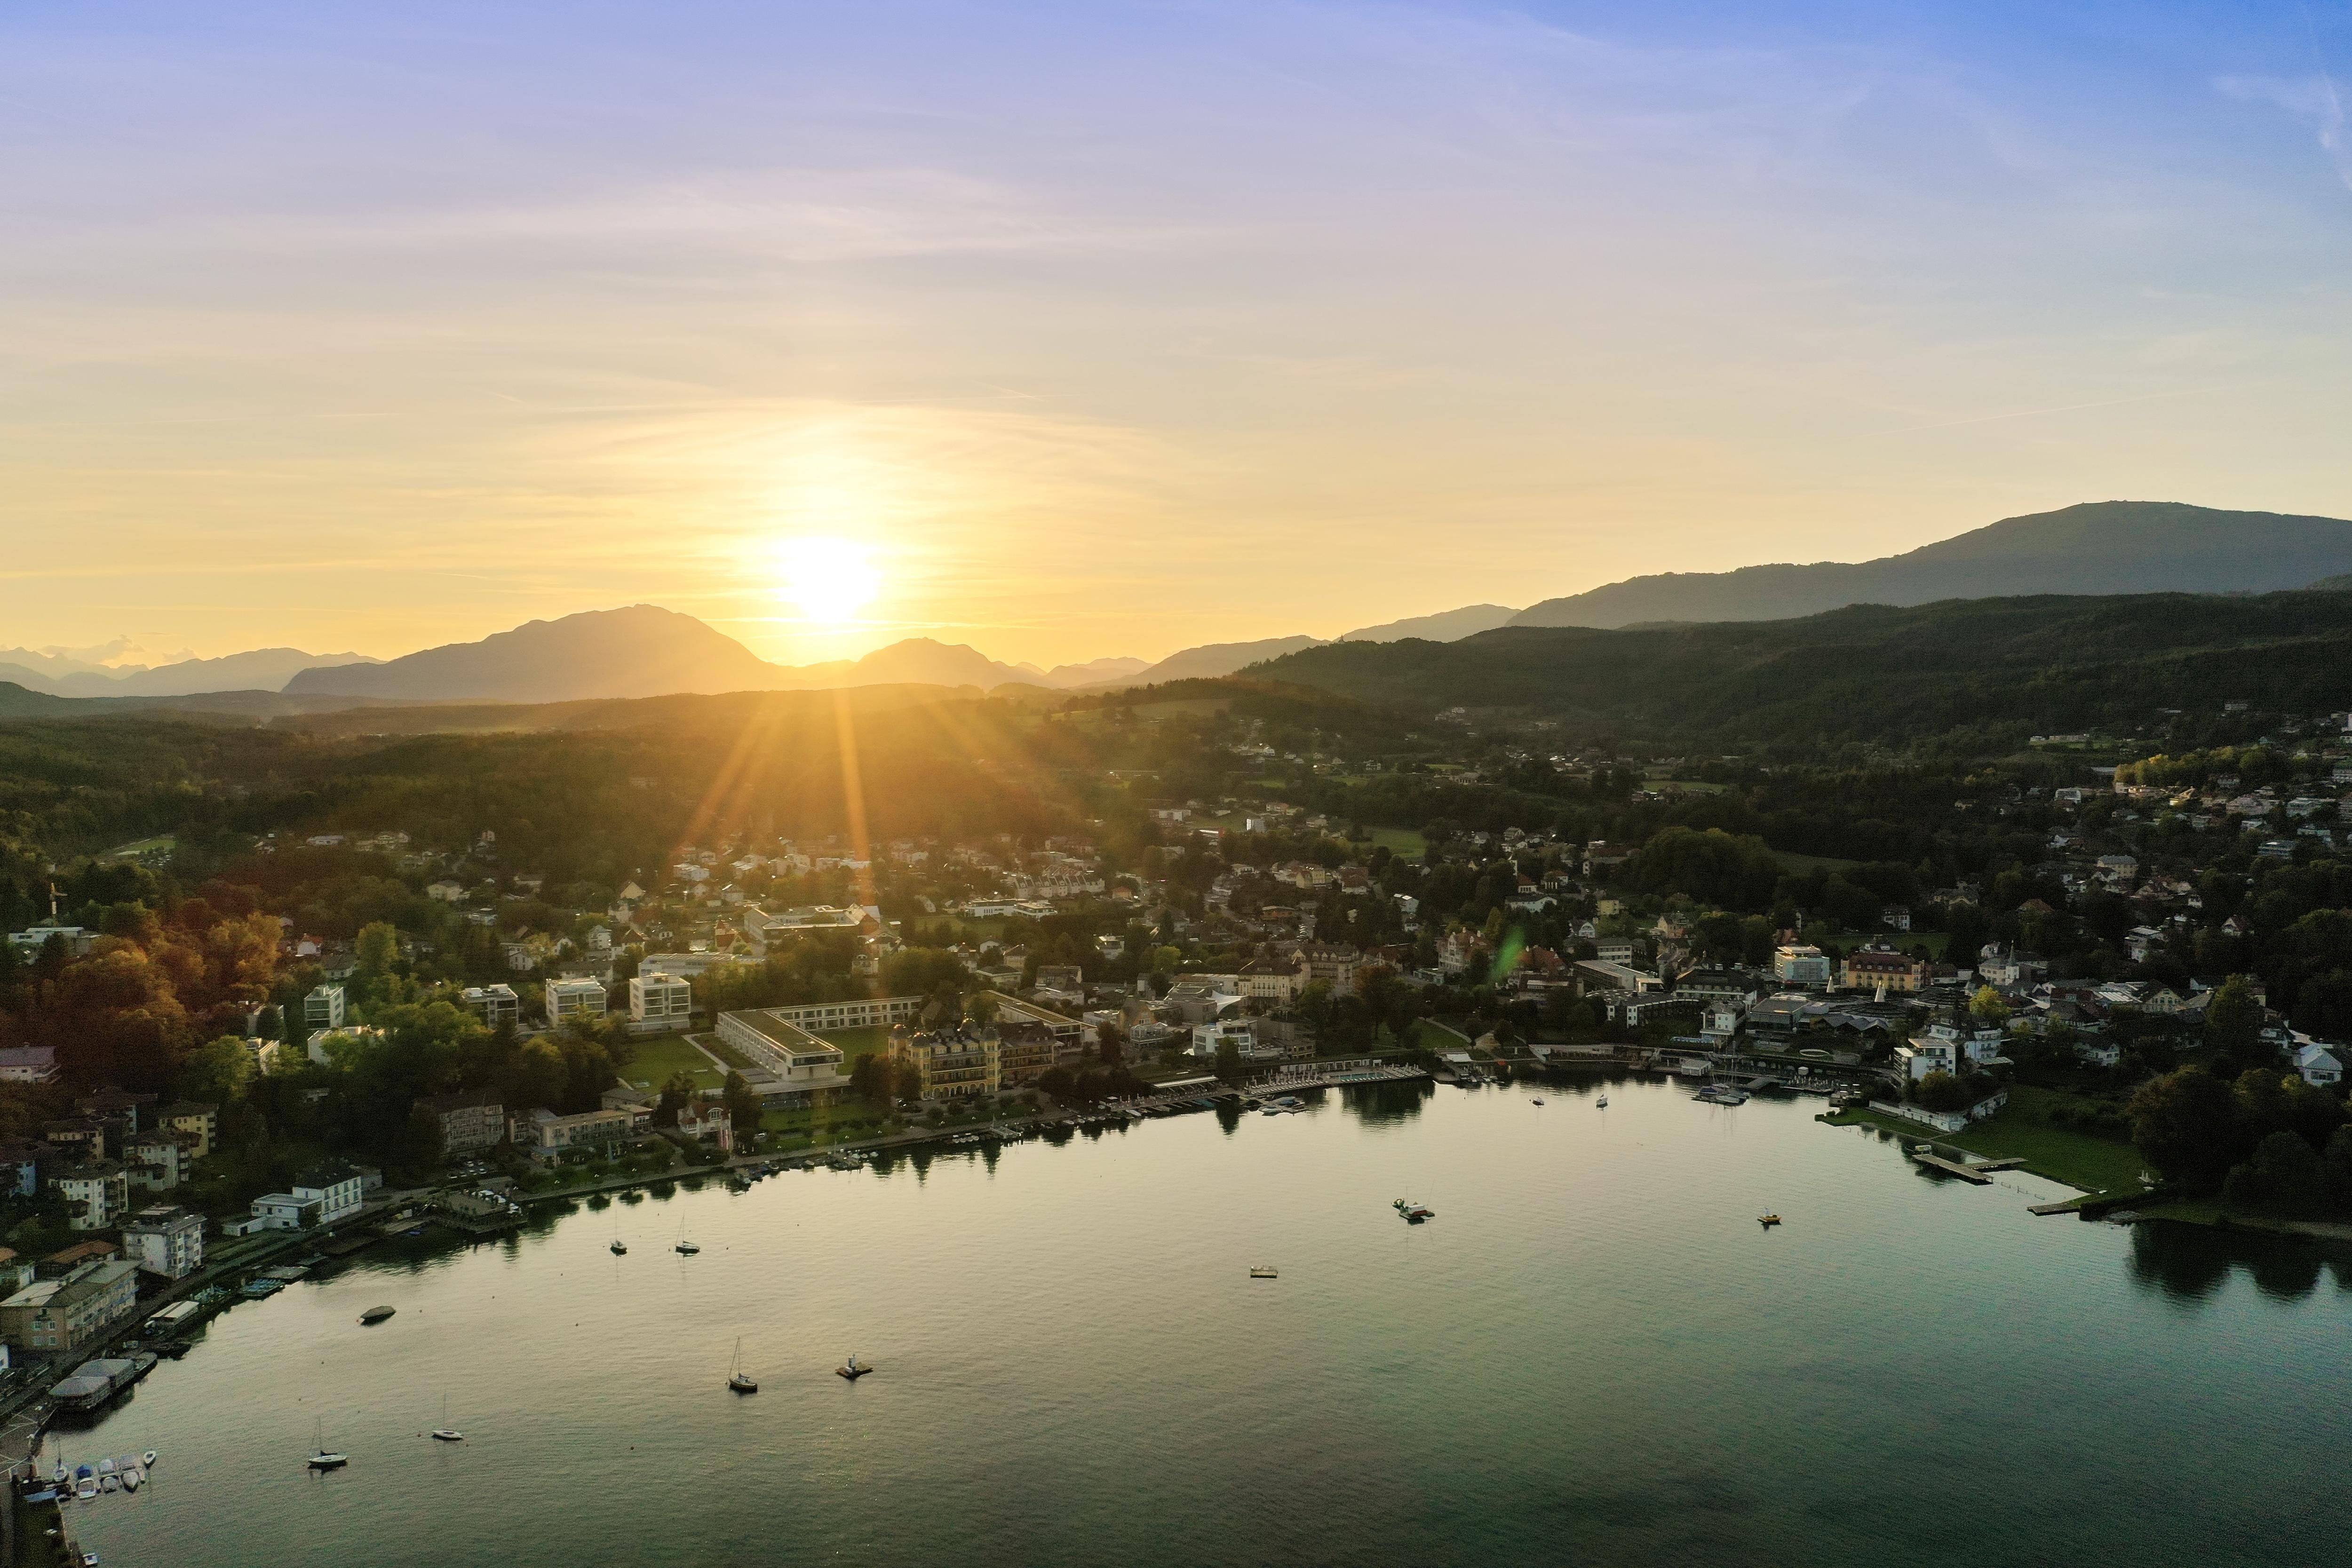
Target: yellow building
{"x": 956, "y": 1063}
{"x": 1868, "y": 968}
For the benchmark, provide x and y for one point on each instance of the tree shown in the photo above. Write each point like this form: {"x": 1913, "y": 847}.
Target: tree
{"x": 744, "y": 1107}
{"x": 2284, "y": 1173}
{"x": 2185, "y": 1125}
{"x": 1939, "y": 1090}
{"x": 420, "y": 1148}
{"x": 216, "y": 1072}
{"x": 2233, "y": 1022}
{"x": 1229, "y": 1061}
{"x": 676, "y": 1095}
{"x": 1987, "y": 1008}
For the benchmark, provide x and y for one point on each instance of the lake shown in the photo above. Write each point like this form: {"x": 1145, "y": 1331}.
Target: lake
{"x": 1592, "y": 1353}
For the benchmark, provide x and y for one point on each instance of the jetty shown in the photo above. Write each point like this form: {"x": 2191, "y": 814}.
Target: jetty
{"x": 1954, "y": 1168}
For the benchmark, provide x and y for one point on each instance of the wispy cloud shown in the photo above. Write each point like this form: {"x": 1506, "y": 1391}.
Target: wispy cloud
{"x": 2313, "y": 99}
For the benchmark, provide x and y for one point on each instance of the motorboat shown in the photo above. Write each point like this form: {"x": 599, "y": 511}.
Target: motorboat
{"x": 131, "y": 1480}
{"x": 1768, "y": 1220}
{"x": 86, "y": 1488}
{"x": 1412, "y": 1212}
{"x": 739, "y": 1380}
{"x": 110, "y": 1482}
{"x": 148, "y": 1458}
{"x": 852, "y": 1370}
{"x": 1264, "y": 1271}
{"x": 1538, "y": 1099}
{"x": 377, "y": 1314}
{"x": 105, "y": 1468}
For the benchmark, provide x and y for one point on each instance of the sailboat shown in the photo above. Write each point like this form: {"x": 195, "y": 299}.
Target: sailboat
{"x": 320, "y": 1459}
{"x": 739, "y": 1380}
{"x": 619, "y": 1246}
{"x": 1602, "y": 1104}
{"x": 684, "y": 1246}
{"x": 445, "y": 1433}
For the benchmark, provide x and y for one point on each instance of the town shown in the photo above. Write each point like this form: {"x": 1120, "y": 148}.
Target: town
{"x": 2127, "y": 975}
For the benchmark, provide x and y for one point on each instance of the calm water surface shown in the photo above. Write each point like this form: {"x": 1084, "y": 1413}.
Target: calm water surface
{"x": 1593, "y": 1352}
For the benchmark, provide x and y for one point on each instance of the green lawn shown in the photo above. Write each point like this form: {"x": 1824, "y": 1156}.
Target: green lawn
{"x": 656, "y": 1060}
{"x": 1401, "y": 841}
{"x": 863, "y": 1041}
{"x": 2023, "y": 1131}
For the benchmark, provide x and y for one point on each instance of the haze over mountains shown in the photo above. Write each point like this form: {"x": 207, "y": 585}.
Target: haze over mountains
{"x": 263, "y": 670}
{"x": 2106, "y": 548}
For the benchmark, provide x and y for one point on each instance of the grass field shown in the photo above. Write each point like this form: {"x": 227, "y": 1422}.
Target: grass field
{"x": 656, "y": 1060}
{"x": 1403, "y": 841}
{"x": 2023, "y": 1131}
{"x": 859, "y": 1042}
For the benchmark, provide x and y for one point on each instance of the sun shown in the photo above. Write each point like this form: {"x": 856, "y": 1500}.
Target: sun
{"x": 829, "y": 579}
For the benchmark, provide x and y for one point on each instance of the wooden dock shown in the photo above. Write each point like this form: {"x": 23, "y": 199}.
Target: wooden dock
{"x": 2067, "y": 1206}
{"x": 1954, "y": 1168}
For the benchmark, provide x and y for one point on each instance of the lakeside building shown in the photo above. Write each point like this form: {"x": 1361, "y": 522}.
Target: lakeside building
{"x": 956, "y": 1063}
{"x": 167, "y": 1240}
{"x": 1070, "y": 1036}
{"x": 324, "y": 1195}
{"x": 545, "y": 1135}
{"x": 569, "y": 999}
{"x": 706, "y": 1120}
{"x": 59, "y": 1316}
{"x": 1026, "y": 1050}
{"x": 469, "y": 1121}
{"x": 659, "y": 1002}
{"x": 494, "y": 1005}
{"x": 794, "y": 1067}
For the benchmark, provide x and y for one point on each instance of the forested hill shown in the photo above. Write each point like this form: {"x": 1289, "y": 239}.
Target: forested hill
{"x": 1979, "y": 671}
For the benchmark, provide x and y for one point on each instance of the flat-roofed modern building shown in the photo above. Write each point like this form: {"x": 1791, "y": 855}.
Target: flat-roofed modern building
{"x": 659, "y": 1002}
{"x": 795, "y": 1068}
{"x": 569, "y": 999}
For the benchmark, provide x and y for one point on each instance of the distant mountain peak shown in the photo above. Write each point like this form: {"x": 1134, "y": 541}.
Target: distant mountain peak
{"x": 2093, "y": 548}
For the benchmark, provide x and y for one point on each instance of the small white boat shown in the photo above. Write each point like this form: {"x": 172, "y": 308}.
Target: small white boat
{"x": 148, "y": 1458}
{"x": 1264, "y": 1271}
{"x": 106, "y": 1466}
{"x": 685, "y": 1247}
{"x": 110, "y": 1482}
{"x": 130, "y": 1480}
{"x": 86, "y": 1488}
{"x": 445, "y": 1433}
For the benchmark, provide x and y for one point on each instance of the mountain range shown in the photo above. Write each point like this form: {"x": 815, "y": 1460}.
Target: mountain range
{"x": 2101, "y": 547}
{"x": 2104, "y": 548}
{"x": 262, "y": 669}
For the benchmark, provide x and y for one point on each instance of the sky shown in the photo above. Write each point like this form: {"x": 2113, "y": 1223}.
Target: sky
{"x": 1075, "y": 330}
